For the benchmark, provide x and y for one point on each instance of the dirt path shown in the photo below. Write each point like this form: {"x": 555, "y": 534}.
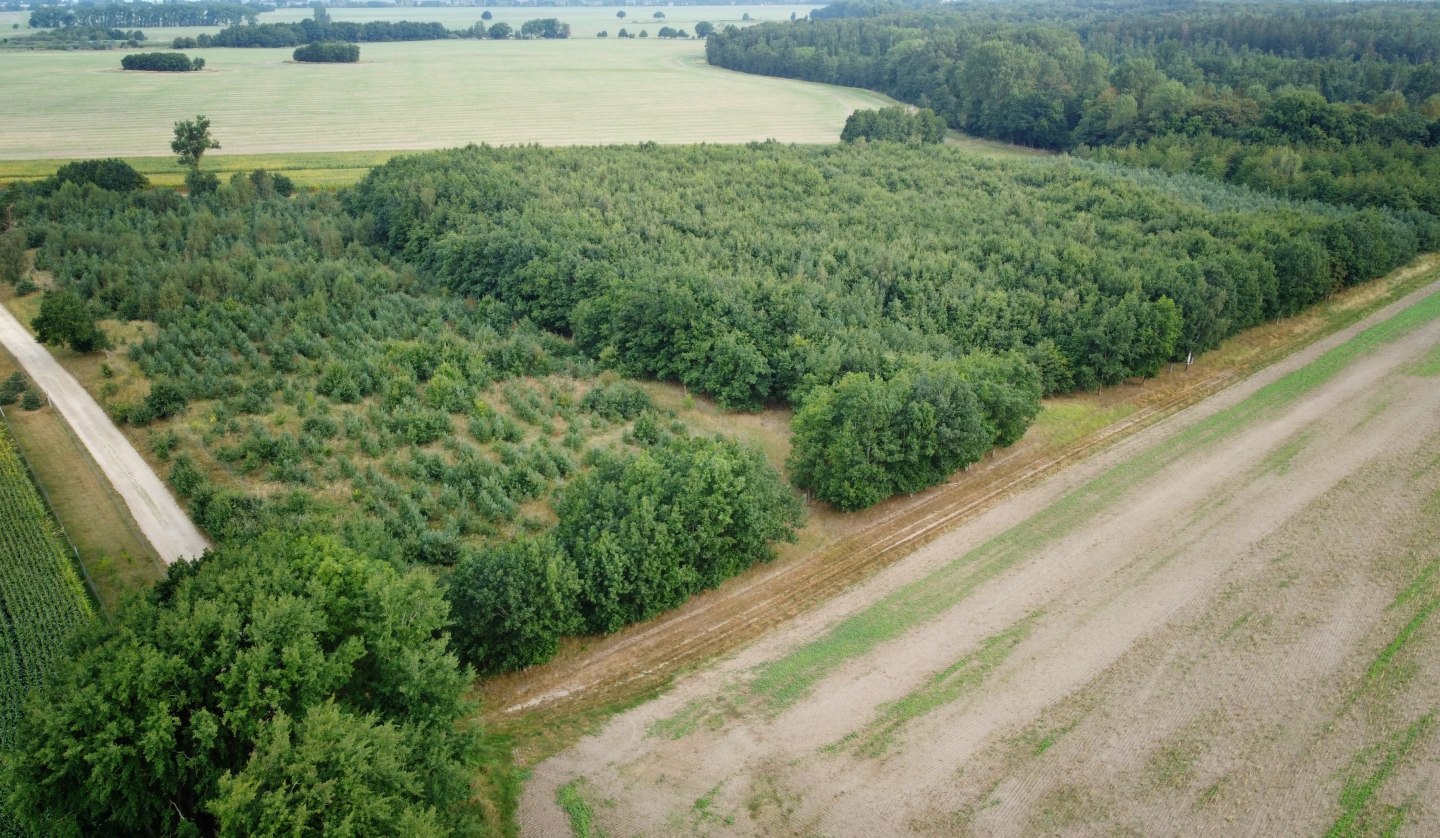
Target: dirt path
{"x": 159, "y": 517}
{"x": 1203, "y": 630}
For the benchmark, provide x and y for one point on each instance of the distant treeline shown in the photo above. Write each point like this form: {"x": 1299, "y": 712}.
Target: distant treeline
{"x": 1339, "y": 103}
{"x": 117, "y": 15}
{"x": 310, "y": 31}
{"x": 162, "y": 62}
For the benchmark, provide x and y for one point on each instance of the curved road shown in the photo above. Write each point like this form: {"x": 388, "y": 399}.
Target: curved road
{"x": 161, "y": 519}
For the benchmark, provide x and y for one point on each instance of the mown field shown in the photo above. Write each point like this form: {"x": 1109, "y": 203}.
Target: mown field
{"x": 411, "y": 96}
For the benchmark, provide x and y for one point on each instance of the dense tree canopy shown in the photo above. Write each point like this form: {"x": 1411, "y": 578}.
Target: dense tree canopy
{"x": 289, "y": 686}
{"x": 66, "y": 320}
{"x": 647, "y": 530}
{"x": 895, "y": 125}
{"x": 328, "y": 52}
{"x": 162, "y": 62}
{"x": 1336, "y": 102}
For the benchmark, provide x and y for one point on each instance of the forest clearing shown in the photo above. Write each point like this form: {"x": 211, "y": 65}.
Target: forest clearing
{"x": 1219, "y": 621}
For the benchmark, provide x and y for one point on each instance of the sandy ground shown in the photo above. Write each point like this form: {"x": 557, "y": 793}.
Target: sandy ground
{"x": 1209, "y": 653}
{"x": 159, "y": 517}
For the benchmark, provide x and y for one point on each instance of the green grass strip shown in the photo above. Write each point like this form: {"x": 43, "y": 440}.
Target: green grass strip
{"x": 944, "y": 687}
{"x": 780, "y": 683}
{"x": 1359, "y": 790}
{"x": 577, "y": 808}
{"x": 1428, "y": 366}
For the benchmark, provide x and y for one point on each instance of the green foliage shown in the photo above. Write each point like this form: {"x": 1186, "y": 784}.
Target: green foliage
{"x": 31, "y": 400}
{"x": 511, "y": 604}
{"x": 844, "y": 259}
{"x": 328, "y": 52}
{"x": 12, "y": 256}
{"x": 1303, "y": 100}
{"x": 65, "y": 319}
{"x": 162, "y": 62}
{"x": 290, "y": 685}
{"x": 647, "y": 530}
{"x": 617, "y": 400}
{"x": 864, "y": 439}
{"x": 548, "y": 28}
{"x": 895, "y": 125}
{"x": 192, "y": 140}
{"x": 12, "y": 387}
{"x": 500, "y": 31}
{"x": 113, "y": 174}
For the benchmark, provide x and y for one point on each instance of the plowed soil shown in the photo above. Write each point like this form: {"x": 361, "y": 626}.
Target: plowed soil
{"x": 1221, "y": 625}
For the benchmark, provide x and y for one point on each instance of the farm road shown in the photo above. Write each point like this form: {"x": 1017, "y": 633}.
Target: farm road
{"x": 1221, "y": 626}
{"x": 160, "y": 518}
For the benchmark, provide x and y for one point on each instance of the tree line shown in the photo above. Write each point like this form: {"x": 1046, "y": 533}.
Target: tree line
{"x": 118, "y": 15}
{"x": 1342, "y": 99}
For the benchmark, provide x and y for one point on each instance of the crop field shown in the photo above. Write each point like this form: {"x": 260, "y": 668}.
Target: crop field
{"x": 41, "y": 596}
{"x": 406, "y": 96}
{"x": 1227, "y": 623}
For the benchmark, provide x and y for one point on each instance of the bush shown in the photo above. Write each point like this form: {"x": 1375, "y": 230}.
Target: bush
{"x": 328, "y": 52}
{"x": 162, "y": 62}
{"x": 618, "y": 400}
{"x": 511, "y": 604}
{"x": 31, "y": 400}
{"x": 112, "y": 173}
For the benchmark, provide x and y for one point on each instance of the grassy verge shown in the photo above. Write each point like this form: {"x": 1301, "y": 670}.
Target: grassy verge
{"x": 571, "y": 799}
{"x": 322, "y": 169}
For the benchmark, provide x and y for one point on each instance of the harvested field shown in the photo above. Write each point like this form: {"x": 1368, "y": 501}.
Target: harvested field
{"x": 411, "y": 96}
{"x": 1224, "y": 624}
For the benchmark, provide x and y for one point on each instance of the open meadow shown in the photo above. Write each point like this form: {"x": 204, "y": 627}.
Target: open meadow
{"x": 404, "y": 96}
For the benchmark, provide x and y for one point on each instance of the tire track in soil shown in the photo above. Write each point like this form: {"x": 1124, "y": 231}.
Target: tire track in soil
{"x": 925, "y": 520}
{"x": 641, "y": 658}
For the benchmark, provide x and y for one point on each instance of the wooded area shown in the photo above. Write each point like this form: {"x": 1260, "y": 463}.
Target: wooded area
{"x": 1334, "y": 102}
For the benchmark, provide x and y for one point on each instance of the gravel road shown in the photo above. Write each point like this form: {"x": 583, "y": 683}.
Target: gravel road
{"x": 160, "y": 518}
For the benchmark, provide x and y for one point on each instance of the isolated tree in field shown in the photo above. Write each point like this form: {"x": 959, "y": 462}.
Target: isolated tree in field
{"x": 192, "y": 140}
{"x": 704, "y": 28}
{"x": 620, "y": 14}
{"x": 659, "y": 15}
{"x": 290, "y": 686}
{"x": 486, "y": 15}
{"x": 65, "y": 320}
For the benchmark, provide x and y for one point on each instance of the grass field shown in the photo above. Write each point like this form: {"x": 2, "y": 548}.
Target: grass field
{"x": 584, "y": 22}
{"x": 411, "y": 96}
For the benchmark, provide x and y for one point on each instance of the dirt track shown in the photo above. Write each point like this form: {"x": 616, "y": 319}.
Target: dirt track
{"x": 1196, "y": 653}
{"x": 159, "y": 517}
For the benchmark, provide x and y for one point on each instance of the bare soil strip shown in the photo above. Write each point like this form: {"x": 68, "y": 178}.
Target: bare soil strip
{"x": 1223, "y": 644}
{"x": 159, "y": 517}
